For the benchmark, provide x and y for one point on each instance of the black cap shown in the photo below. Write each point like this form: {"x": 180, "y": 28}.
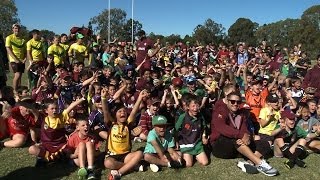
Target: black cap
{"x": 272, "y": 98}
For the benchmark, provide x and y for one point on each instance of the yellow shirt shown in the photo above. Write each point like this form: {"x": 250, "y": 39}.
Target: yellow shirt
{"x": 36, "y": 48}
{"x": 58, "y": 122}
{"x": 65, "y": 46}
{"x": 81, "y": 51}
{"x": 263, "y": 116}
{"x": 119, "y": 139}
{"x": 58, "y": 53}
{"x": 18, "y": 46}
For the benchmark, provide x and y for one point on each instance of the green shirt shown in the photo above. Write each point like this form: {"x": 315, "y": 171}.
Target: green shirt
{"x": 165, "y": 143}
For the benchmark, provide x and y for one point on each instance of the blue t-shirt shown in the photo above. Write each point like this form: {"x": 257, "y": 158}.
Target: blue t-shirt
{"x": 168, "y": 141}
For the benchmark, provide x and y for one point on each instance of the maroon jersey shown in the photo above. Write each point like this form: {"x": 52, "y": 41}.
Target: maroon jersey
{"x": 142, "y": 51}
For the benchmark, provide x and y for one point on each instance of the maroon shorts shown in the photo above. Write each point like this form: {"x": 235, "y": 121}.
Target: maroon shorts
{"x": 17, "y": 67}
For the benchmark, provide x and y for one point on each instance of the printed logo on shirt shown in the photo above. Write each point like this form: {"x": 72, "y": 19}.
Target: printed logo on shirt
{"x": 187, "y": 126}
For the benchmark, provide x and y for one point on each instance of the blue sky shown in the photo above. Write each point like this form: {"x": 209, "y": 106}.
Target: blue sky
{"x": 159, "y": 16}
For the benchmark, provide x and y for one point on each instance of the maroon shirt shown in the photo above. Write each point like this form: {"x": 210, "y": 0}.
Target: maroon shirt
{"x": 146, "y": 123}
{"x": 142, "y": 51}
{"x": 312, "y": 79}
{"x": 221, "y": 125}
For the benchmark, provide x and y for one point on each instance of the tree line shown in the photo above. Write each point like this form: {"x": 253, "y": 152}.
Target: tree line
{"x": 284, "y": 33}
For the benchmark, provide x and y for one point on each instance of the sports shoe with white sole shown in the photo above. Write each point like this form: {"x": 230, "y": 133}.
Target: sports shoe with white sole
{"x": 154, "y": 168}
{"x": 247, "y": 167}
{"x": 266, "y": 169}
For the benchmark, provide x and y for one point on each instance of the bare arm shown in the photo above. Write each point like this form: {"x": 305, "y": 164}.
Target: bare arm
{"x": 120, "y": 91}
{"x": 74, "y": 104}
{"x": 140, "y": 65}
{"x": 88, "y": 81}
{"x": 105, "y": 109}
{"x": 136, "y": 106}
{"x": 176, "y": 100}
{"x": 10, "y": 53}
{"x": 163, "y": 100}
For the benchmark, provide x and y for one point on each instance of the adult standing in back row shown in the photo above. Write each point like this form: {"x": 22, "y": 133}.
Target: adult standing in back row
{"x": 143, "y": 45}
{"x": 16, "y": 49}
{"x": 312, "y": 78}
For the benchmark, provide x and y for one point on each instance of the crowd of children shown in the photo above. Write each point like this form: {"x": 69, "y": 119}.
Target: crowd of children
{"x": 183, "y": 101}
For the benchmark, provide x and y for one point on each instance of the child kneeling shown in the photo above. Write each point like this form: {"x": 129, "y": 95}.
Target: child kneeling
{"x": 160, "y": 141}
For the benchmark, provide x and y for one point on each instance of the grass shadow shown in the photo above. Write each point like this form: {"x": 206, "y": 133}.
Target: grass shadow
{"x": 51, "y": 171}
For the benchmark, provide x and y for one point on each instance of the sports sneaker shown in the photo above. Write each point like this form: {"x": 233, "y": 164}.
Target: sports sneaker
{"x": 247, "y": 167}
{"x": 82, "y": 173}
{"x": 91, "y": 174}
{"x": 154, "y": 168}
{"x": 289, "y": 164}
{"x": 300, "y": 163}
{"x": 266, "y": 169}
{"x": 114, "y": 175}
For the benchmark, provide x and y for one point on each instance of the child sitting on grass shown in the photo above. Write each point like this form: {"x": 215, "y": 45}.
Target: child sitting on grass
{"x": 290, "y": 140}
{"x": 53, "y": 132}
{"x": 21, "y": 123}
{"x": 119, "y": 157}
{"x": 159, "y": 143}
{"x": 191, "y": 133}
{"x": 82, "y": 148}
{"x": 310, "y": 125}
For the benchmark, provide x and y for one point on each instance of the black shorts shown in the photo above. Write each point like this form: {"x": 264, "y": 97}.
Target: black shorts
{"x": 264, "y": 137}
{"x": 225, "y": 148}
{"x": 118, "y": 157}
{"x": 17, "y": 67}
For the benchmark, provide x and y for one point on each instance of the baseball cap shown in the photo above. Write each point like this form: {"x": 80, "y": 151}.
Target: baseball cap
{"x": 159, "y": 120}
{"x": 96, "y": 99}
{"x": 79, "y": 36}
{"x": 272, "y": 98}
{"x": 288, "y": 114}
{"x": 95, "y": 44}
{"x": 191, "y": 79}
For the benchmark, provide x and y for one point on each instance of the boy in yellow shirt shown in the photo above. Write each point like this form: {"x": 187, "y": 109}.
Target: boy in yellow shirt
{"x": 268, "y": 119}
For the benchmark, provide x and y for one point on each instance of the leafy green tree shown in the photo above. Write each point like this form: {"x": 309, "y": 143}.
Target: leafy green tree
{"x": 281, "y": 32}
{"x": 209, "y": 32}
{"x": 47, "y": 34}
{"x": 119, "y": 25}
{"x": 312, "y": 16}
{"x": 137, "y": 26}
{"x": 243, "y": 31}
{"x": 173, "y": 39}
{"x": 8, "y": 16}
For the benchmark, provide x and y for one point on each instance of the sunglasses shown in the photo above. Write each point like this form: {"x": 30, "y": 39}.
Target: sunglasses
{"x": 235, "y": 101}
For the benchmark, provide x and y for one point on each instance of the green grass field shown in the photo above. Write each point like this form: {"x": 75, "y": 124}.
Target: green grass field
{"x": 17, "y": 164}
